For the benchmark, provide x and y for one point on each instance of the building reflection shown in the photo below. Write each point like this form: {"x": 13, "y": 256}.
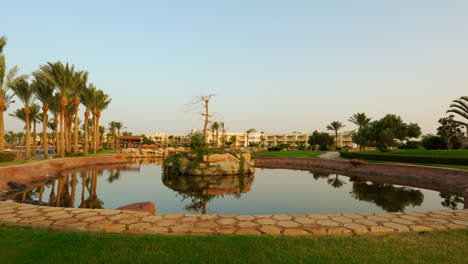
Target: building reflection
{"x": 202, "y": 189}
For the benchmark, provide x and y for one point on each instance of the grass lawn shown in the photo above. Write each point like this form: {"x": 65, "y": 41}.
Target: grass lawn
{"x": 30, "y": 246}
{"x": 461, "y": 153}
{"x": 297, "y": 154}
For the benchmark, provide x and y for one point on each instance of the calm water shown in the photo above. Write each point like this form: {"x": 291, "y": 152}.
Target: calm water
{"x": 269, "y": 191}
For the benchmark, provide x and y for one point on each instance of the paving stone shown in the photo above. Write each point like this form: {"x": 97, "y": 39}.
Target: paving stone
{"x": 411, "y": 218}
{"x": 341, "y": 219}
{"x": 327, "y": 223}
{"x": 85, "y": 215}
{"x": 418, "y": 228}
{"x": 454, "y": 226}
{"x": 29, "y": 215}
{"x": 247, "y": 224}
{"x": 28, "y": 211}
{"x": 265, "y": 221}
{"x": 82, "y": 211}
{"x": 9, "y": 211}
{"x": 353, "y": 216}
{"x": 182, "y": 229}
{"x": 433, "y": 220}
{"x": 226, "y": 231}
{"x": 226, "y": 221}
{"x": 245, "y": 217}
{"x": 316, "y": 230}
{"x": 107, "y": 225}
{"x": 128, "y": 220}
{"x": 380, "y": 229}
{"x": 152, "y": 218}
{"x": 202, "y": 231}
{"x": 295, "y": 232}
{"x": 287, "y": 224}
{"x": 157, "y": 230}
{"x": 416, "y": 214}
{"x": 460, "y": 222}
{"x": 270, "y": 230}
{"x": 187, "y": 219}
{"x": 402, "y": 221}
{"x": 5, "y": 216}
{"x": 173, "y": 216}
{"x": 206, "y": 224}
{"x": 397, "y": 227}
{"x": 318, "y": 216}
{"x": 376, "y": 218}
{"x": 169, "y": 222}
{"x": 63, "y": 216}
{"x": 263, "y": 216}
{"x": 356, "y": 228}
{"x": 207, "y": 217}
{"x": 282, "y": 217}
{"x": 248, "y": 232}
{"x": 35, "y": 219}
{"x": 50, "y": 209}
{"x": 42, "y": 222}
{"x": 93, "y": 219}
{"x": 436, "y": 226}
{"x": 305, "y": 220}
{"x": 138, "y": 226}
{"x": 77, "y": 224}
{"x": 65, "y": 222}
{"x": 108, "y": 212}
{"x": 54, "y": 213}
{"x": 338, "y": 230}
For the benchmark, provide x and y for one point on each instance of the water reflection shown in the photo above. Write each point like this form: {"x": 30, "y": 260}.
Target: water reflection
{"x": 200, "y": 190}
{"x": 285, "y": 190}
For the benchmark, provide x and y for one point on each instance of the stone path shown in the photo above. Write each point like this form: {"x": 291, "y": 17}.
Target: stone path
{"x": 122, "y": 221}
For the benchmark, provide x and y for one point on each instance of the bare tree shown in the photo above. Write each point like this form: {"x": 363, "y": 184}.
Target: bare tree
{"x": 204, "y": 102}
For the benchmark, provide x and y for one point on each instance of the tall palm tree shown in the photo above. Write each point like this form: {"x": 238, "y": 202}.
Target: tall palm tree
{"x": 65, "y": 79}
{"x": 54, "y": 109}
{"x": 76, "y": 92}
{"x": 25, "y": 94}
{"x": 45, "y": 93}
{"x": 35, "y": 116}
{"x": 6, "y": 82}
{"x": 88, "y": 99}
{"x": 223, "y": 133}
{"x": 335, "y": 126}
{"x": 360, "y": 119}
{"x": 102, "y": 102}
{"x": 460, "y": 107}
{"x": 113, "y": 130}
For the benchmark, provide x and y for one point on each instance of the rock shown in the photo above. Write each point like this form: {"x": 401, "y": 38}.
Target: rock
{"x": 16, "y": 185}
{"x": 144, "y": 207}
{"x": 213, "y": 158}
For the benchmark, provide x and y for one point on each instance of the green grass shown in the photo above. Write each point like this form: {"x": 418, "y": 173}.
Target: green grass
{"x": 297, "y": 154}
{"x": 30, "y": 246}
{"x": 460, "y": 153}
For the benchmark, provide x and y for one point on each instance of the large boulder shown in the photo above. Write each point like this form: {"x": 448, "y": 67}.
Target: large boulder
{"x": 217, "y": 164}
{"x": 144, "y": 207}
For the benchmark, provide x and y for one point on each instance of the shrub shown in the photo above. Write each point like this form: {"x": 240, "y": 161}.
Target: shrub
{"x": 433, "y": 142}
{"x": 7, "y": 156}
{"x": 71, "y": 154}
{"x": 412, "y": 144}
{"x": 405, "y": 158}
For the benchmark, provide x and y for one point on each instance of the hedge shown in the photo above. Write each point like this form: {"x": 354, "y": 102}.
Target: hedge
{"x": 405, "y": 158}
{"x": 7, "y": 156}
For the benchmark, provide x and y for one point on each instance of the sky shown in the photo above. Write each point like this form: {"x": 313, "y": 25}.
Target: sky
{"x": 278, "y": 66}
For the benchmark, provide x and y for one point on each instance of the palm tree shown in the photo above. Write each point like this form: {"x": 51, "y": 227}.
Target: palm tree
{"x": 360, "y": 119}
{"x": 54, "y": 109}
{"x": 5, "y": 84}
{"x": 35, "y": 116}
{"x": 45, "y": 93}
{"x": 215, "y": 130}
{"x": 101, "y": 103}
{"x": 335, "y": 126}
{"x": 65, "y": 80}
{"x": 119, "y": 126}
{"x": 77, "y": 91}
{"x": 88, "y": 99}
{"x": 112, "y": 130}
{"x": 460, "y": 107}
{"x": 223, "y": 131}
{"x": 25, "y": 93}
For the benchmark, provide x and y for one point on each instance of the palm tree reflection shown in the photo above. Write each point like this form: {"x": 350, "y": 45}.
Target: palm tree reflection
{"x": 451, "y": 200}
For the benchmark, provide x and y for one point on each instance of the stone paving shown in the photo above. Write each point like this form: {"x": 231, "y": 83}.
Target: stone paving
{"x": 122, "y": 221}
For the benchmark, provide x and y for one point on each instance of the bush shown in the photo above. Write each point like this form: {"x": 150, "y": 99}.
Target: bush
{"x": 71, "y": 154}
{"x": 274, "y": 149}
{"x": 7, "y": 156}
{"x": 405, "y": 158}
{"x": 411, "y": 144}
{"x": 433, "y": 142}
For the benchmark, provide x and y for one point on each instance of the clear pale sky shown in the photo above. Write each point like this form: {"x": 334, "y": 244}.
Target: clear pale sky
{"x": 277, "y": 66}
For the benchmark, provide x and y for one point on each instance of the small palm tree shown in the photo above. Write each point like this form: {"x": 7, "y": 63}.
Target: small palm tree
{"x": 25, "y": 94}
{"x": 45, "y": 93}
{"x": 119, "y": 126}
{"x": 360, "y": 119}
{"x": 215, "y": 130}
{"x": 113, "y": 130}
{"x": 223, "y": 131}
{"x": 460, "y": 107}
{"x": 335, "y": 126}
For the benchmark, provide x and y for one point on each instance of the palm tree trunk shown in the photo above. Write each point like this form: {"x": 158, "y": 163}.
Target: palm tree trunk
{"x": 336, "y": 134}
{"x": 45, "y": 143}
{"x": 75, "y": 140}
{"x": 118, "y": 138}
{"x": 2, "y": 124}
{"x": 34, "y": 139}
{"x": 62, "y": 133}
{"x": 94, "y": 133}
{"x": 85, "y": 147}
{"x": 27, "y": 111}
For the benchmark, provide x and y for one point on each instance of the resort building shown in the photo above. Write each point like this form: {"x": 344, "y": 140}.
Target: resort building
{"x": 345, "y": 139}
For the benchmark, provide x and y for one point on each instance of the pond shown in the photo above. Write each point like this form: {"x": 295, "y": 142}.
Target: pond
{"x": 269, "y": 191}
